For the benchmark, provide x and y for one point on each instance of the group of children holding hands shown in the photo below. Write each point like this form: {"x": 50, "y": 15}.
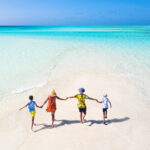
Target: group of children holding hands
{"x": 51, "y": 106}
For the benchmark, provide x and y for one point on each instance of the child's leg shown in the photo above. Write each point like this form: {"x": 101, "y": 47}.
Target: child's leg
{"x": 53, "y": 118}
{"x": 106, "y": 114}
{"x": 84, "y": 114}
{"x": 103, "y": 117}
{"x": 32, "y": 123}
{"x": 81, "y": 117}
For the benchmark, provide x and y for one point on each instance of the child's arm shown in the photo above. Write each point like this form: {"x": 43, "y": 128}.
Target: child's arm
{"x": 23, "y": 107}
{"x": 45, "y": 102}
{"x": 93, "y": 99}
{"x": 61, "y": 98}
{"x": 38, "y": 106}
{"x": 70, "y": 97}
{"x": 110, "y": 104}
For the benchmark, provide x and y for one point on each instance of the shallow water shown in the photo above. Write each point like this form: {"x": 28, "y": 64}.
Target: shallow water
{"x": 30, "y": 54}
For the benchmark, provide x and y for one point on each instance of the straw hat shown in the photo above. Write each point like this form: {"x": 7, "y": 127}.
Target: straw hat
{"x": 52, "y": 93}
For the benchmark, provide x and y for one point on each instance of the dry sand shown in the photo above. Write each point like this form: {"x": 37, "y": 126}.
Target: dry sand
{"x": 128, "y": 119}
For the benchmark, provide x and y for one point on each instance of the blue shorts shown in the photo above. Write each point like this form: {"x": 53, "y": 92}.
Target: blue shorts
{"x": 82, "y": 110}
{"x": 105, "y": 109}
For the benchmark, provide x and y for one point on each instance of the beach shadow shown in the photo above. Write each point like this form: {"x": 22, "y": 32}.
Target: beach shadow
{"x": 62, "y": 123}
{"x": 44, "y": 126}
{"x": 94, "y": 122}
{"x": 66, "y": 122}
{"x": 116, "y": 120}
{"x": 69, "y": 122}
{"x": 109, "y": 121}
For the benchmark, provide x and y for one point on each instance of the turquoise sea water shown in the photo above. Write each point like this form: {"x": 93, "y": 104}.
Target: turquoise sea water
{"x": 29, "y": 54}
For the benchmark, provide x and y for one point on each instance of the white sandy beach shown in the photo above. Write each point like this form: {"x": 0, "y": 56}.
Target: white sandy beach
{"x": 128, "y": 119}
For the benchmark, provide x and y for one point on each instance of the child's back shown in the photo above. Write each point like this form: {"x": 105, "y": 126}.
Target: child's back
{"x": 51, "y": 107}
{"x": 31, "y": 105}
{"x": 105, "y": 101}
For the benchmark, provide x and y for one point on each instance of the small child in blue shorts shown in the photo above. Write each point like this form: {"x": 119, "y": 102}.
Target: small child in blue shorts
{"x": 105, "y": 101}
{"x": 31, "y": 106}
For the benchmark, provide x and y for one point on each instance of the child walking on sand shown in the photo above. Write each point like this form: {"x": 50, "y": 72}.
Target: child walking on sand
{"x": 31, "y": 106}
{"x": 81, "y": 103}
{"x": 105, "y": 101}
{"x": 51, "y": 107}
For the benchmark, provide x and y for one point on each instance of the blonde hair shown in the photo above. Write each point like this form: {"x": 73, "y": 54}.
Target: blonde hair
{"x": 52, "y": 92}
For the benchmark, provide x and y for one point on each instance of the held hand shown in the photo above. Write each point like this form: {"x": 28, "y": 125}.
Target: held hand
{"x": 97, "y": 101}
{"x": 20, "y": 109}
{"x": 41, "y": 106}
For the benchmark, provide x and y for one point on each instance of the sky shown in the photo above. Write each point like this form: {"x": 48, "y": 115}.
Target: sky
{"x": 75, "y": 12}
